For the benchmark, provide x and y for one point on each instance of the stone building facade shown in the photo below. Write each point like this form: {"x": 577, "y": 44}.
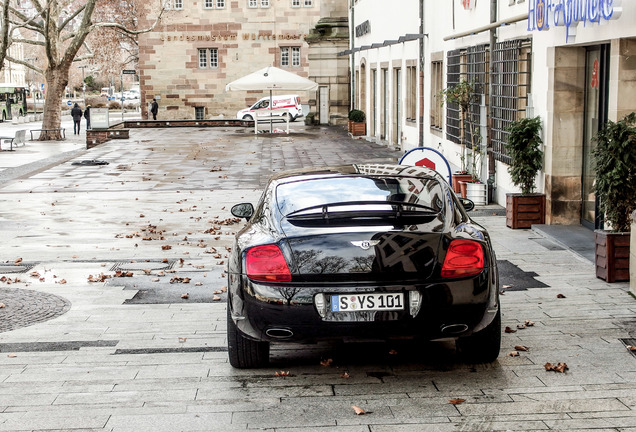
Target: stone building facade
{"x": 201, "y": 45}
{"x": 572, "y": 63}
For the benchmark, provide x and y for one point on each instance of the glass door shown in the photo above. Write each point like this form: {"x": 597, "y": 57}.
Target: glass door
{"x": 595, "y": 116}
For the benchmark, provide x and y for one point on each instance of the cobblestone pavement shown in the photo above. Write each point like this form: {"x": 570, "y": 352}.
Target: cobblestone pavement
{"x": 159, "y": 211}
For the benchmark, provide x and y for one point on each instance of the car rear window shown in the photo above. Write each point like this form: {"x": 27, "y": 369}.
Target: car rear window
{"x": 363, "y": 193}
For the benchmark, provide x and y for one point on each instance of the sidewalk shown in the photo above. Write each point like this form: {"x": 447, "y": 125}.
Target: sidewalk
{"x": 84, "y": 349}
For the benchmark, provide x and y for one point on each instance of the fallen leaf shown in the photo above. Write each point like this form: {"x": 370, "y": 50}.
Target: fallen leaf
{"x": 345, "y": 375}
{"x": 282, "y": 374}
{"x": 182, "y": 339}
{"x": 166, "y": 247}
{"x": 629, "y": 347}
{"x": 216, "y": 298}
{"x": 456, "y": 401}
{"x": 560, "y": 296}
{"x": 358, "y": 410}
{"x": 185, "y": 296}
{"x": 327, "y": 362}
{"x": 393, "y": 352}
{"x": 12, "y": 355}
{"x": 521, "y": 348}
{"x": 155, "y": 280}
{"x": 521, "y": 326}
{"x": 559, "y": 367}
{"x": 529, "y": 323}
{"x": 513, "y": 354}
{"x": 2, "y": 305}
{"x": 18, "y": 261}
{"x": 510, "y": 330}
{"x": 147, "y": 271}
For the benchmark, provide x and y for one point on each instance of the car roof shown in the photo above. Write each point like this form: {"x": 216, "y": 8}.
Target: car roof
{"x": 391, "y": 170}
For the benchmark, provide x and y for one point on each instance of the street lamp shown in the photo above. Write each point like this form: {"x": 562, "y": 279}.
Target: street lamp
{"x": 83, "y": 84}
{"x": 33, "y": 87}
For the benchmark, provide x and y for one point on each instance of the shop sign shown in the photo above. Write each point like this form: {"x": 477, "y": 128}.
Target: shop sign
{"x": 544, "y": 14}
{"x": 363, "y": 28}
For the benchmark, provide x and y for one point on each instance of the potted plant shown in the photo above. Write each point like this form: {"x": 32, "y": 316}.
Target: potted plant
{"x": 615, "y": 188}
{"x": 524, "y": 148}
{"x": 462, "y": 94}
{"x": 357, "y": 122}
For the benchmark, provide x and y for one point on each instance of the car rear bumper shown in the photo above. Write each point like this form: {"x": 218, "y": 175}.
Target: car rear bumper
{"x": 277, "y": 314}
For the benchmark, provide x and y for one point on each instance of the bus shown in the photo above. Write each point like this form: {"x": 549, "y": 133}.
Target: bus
{"x": 13, "y": 101}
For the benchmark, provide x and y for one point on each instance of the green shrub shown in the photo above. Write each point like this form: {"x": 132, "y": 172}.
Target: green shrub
{"x": 357, "y": 116}
{"x": 524, "y": 149}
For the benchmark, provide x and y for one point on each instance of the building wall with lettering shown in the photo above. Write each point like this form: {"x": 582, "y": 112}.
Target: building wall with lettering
{"x": 236, "y": 39}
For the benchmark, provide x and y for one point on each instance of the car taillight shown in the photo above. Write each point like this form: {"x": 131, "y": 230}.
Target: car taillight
{"x": 267, "y": 263}
{"x": 463, "y": 258}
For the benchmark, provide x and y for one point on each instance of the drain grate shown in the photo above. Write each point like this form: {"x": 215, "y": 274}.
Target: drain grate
{"x": 169, "y": 350}
{"x": 90, "y": 162}
{"x": 55, "y": 346}
{"x": 15, "y": 268}
{"x": 143, "y": 265}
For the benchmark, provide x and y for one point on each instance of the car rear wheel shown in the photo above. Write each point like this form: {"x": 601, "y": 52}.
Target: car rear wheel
{"x": 248, "y": 118}
{"x": 290, "y": 117}
{"x": 483, "y": 346}
{"x": 244, "y": 353}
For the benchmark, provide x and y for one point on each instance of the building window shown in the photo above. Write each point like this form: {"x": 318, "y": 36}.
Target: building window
{"x": 290, "y": 56}
{"x": 252, "y": 3}
{"x": 510, "y": 89}
{"x": 309, "y": 3}
{"x": 264, "y": 3}
{"x": 437, "y": 85}
{"x": 471, "y": 65}
{"x": 208, "y": 4}
{"x": 178, "y": 4}
{"x": 208, "y": 58}
{"x": 295, "y": 3}
{"x": 220, "y": 4}
{"x": 411, "y": 93}
{"x": 199, "y": 113}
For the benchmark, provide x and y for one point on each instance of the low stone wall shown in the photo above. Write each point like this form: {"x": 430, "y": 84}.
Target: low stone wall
{"x": 121, "y": 130}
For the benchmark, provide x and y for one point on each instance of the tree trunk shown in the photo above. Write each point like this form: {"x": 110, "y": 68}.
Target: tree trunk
{"x": 56, "y": 81}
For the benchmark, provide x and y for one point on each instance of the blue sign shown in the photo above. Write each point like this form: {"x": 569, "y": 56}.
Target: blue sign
{"x": 69, "y": 103}
{"x": 569, "y": 13}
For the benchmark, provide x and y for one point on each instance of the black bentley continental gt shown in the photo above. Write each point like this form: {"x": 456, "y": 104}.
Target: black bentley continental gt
{"x": 361, "y": 251}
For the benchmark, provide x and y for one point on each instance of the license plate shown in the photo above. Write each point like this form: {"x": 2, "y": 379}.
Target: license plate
{"x": 367, "y": 302}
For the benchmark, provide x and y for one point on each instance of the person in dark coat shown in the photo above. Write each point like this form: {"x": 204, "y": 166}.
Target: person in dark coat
{"x": 87, "y": 116}
{"x": 154, "y": 109}
{"x": 76, "y": 113}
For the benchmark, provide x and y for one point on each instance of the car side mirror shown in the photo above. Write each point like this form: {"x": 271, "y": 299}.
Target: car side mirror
{"x": 467, "y": 204}
{"x": 243, "y": 210}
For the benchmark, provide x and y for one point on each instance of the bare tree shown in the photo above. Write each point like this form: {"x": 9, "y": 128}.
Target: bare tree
{"x": 4, "y": 31}
{"x": 62, "y": 28}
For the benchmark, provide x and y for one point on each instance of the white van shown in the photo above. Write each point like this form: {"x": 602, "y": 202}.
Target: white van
{"x": 287, "y": 105}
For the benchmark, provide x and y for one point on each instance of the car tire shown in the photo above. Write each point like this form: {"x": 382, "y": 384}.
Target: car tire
{"x": 244, "y": 353}
{"x": 483, "y": 346}
{"x": 248, "y": 118}
{"x": 291, "y": 117}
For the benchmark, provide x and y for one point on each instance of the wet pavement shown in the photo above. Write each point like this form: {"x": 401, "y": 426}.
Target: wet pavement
{"x": 114, "y": 314}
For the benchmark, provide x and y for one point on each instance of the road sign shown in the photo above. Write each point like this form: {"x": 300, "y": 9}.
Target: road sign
{"x": 429, "y": 158}
{"x": 129, "y": 71}
{"x": 69, "y": 103}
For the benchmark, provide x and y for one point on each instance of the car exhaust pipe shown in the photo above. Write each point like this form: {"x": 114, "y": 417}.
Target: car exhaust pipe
{"x": 454, "y": 329}
{"x": 279, "y": 333}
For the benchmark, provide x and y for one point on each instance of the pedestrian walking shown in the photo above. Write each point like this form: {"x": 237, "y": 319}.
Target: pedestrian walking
{"x": 87, "y": 116}
{"x": 154, "y": 109}
{"x": 76, "y": 113}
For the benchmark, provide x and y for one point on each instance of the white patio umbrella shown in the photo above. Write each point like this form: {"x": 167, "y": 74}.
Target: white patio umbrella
{"x": 272, "y": 78}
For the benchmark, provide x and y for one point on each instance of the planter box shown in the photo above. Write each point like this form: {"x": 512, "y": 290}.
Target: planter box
{"x": 477, "y": 193}
{"x": 612, "y": 255}
{"x": 456, "y": 178}
{"x": 357, "y": 128}
{"x": 524, "y": 210}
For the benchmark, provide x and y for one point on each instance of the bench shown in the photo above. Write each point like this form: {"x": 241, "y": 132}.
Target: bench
{"x": 274, "y": 116}
{"x": 19, "y": 138}
{"x": 48, "y": 130}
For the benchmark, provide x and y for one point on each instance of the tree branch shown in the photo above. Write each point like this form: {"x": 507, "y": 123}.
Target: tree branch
{"x": 127, "y": 30}
{"x": 25, "y": 64}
